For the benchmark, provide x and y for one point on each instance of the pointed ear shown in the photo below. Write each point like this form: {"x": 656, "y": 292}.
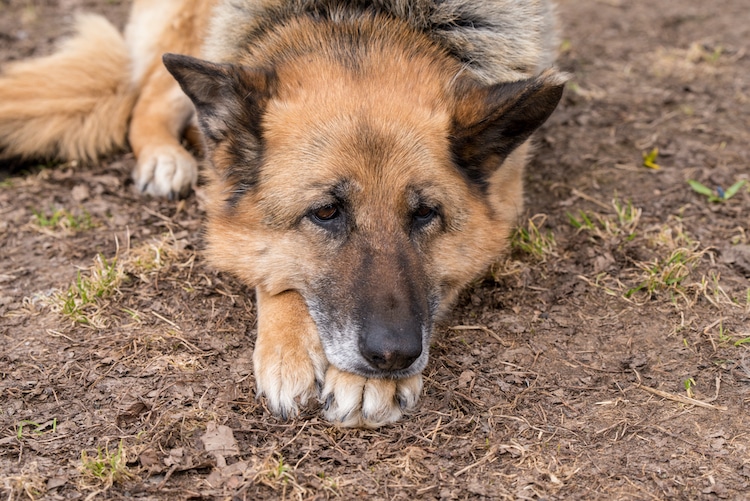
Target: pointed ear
{"x": 225, "y": 96}
{"x": 492, "y": 121}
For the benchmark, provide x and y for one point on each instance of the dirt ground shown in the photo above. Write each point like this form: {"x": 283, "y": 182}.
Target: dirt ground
{"x": 606, "y": 358}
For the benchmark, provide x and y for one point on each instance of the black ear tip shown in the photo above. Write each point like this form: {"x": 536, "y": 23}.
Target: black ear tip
{"x": 171, "y": 60}
{"x": 176, "y": 62}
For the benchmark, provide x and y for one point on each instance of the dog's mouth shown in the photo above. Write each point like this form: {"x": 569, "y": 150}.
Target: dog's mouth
{"x": 370, "y": 372}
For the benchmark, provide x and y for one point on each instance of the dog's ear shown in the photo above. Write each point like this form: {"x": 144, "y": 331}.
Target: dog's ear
{"x": 491, "y": 121}
{"x": 226, "y": 96}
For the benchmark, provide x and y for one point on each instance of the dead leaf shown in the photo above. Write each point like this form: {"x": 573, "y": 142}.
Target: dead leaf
{"x": 132, "y": 413}
{"x": 80, "y": 193}
{"x": 55, "y": 482}
{"x": 465, "y": 378}
{"x": 220, "y": 442}
{"x": 149, "y": 458}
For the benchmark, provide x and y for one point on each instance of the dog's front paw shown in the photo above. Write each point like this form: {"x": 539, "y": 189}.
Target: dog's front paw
{"x": 166, "y": 171}
{"x": 287, "y": 376}
{"x": 354, "y": 401}
{"x": 289, "y": 360}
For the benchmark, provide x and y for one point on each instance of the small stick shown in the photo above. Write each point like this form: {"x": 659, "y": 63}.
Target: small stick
{"x": 479, "y": 328}
{"x": 680, "y": 398}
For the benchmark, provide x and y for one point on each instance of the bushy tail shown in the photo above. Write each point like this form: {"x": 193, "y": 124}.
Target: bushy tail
{"x": 73, "y": 104}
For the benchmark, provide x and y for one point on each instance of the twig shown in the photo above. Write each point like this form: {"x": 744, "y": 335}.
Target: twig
{"x": 295, "y": 437}
{"x": 718, "y": 386}
{"x": 166, "y": 320}
{"x": 55, "y": 333}
{"x": 479, "y": 328}
{"x": 489, "y": 457}
{"x": 591, "y": 199}
{"x": 680, "y": 398}
{"x": 435, "y": 431}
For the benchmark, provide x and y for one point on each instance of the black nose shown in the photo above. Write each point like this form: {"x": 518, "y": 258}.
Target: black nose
{"x": 390, "y": 348}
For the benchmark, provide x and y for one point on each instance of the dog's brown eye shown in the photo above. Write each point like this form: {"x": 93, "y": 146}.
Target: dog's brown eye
{"x": 423, "y": 215}
{"x": 326, "y": 213}
{"x": 424, "y": 211}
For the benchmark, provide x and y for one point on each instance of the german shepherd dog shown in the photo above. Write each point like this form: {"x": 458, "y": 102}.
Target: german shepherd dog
{"x": 365, "y": 161}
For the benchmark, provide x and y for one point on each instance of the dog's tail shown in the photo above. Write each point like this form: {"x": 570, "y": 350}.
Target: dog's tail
{"x": 72, "y": 105}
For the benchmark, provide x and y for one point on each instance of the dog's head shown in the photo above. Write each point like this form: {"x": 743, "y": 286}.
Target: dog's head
{"x": 375, "y": 188}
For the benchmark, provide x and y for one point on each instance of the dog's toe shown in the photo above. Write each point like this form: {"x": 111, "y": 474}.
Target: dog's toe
{"x": 350, "y": 400}
{"x": 408, "y": 391}
{"x": 167, "y": 171}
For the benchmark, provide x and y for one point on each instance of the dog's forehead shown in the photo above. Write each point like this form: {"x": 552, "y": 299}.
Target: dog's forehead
{"x": 325, "y": 97}
{"x": 359, "y": 134}
{"x": 359, "y": 155}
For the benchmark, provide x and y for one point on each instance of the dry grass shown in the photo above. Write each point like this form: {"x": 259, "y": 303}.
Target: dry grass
{"x": 621, "y": 225}
{"x": 89, "y": 300}
{"x": 30, "y": 484}
{"x": 669, "y": 272}
{"x": 85, "y": 300}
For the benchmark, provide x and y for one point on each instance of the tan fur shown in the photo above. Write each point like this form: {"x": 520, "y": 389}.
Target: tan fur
{"x": 56, "y": 107}
{"x": 366, "y": 164}
{"x": 298, "y": 362}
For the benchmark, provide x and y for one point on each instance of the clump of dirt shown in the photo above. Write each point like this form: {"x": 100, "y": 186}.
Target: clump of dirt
{"x": 607, "y": 357}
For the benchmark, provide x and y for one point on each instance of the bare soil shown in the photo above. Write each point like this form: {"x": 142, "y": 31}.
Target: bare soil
{"x": 607, "y": 358}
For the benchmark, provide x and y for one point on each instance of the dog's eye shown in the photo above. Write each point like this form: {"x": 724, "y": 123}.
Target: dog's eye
{"x": 326, "y": 213}
{"x": 424, "y": 215}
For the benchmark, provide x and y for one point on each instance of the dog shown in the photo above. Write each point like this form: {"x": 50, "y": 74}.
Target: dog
{"x": 365, "y": 161}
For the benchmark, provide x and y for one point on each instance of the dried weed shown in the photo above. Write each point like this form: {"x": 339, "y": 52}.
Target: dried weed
{"x": 29, "y": 484}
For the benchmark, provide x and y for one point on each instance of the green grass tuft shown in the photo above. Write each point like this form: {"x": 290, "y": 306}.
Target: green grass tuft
{"x": 106, "y": 468}
{"x": 718, "y": 195}
{"x": 533, "y": 241}
{"x": 80, "y": 302}
{"x": 62, "y": 220}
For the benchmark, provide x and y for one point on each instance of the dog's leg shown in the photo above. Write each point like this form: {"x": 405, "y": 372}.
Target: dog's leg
{"x": 289, "y": 360}
{"x": 162, "y": 113}
{"x": 164, "y": 167}
{"x": 351, "y": 400}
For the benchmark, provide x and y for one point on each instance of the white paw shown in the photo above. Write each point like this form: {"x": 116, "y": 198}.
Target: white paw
{"x": 350, "y": 400}
{"x": 288, "y": 376}
{"x": 166, "y": 171}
